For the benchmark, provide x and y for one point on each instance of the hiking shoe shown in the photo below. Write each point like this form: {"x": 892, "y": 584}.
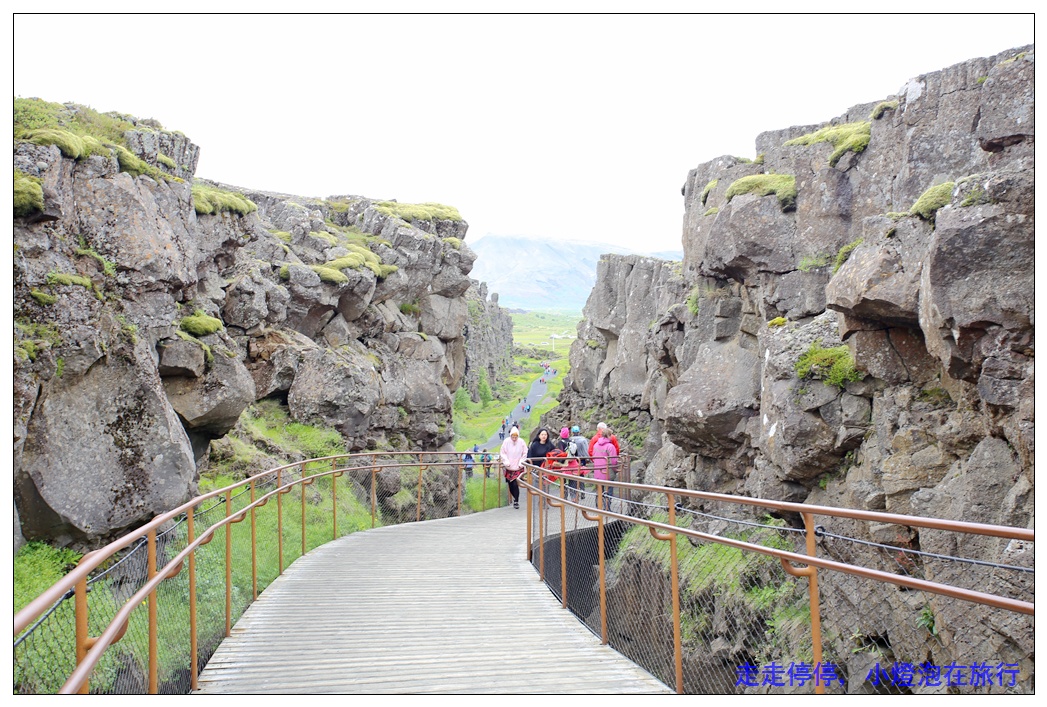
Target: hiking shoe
{"x": 516, "y": 505}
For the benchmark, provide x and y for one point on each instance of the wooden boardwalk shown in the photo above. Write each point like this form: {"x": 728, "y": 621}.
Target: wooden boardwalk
{"x": 443, "y": 606}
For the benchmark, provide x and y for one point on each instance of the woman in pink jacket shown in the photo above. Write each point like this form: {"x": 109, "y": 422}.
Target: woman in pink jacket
{"x": 513, "y": 453}
{"x": 605, "y": 460}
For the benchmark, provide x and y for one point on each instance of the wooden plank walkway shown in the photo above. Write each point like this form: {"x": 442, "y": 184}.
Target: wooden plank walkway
{"x": 443, "y": 606}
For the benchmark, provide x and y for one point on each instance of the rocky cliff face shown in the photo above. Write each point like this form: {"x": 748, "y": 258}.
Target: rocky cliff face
{"x": 852, "y": 323}
{"x": 489, "y": 341}
{"x": 934, "y": 304}
{"x": 144, "y": 327}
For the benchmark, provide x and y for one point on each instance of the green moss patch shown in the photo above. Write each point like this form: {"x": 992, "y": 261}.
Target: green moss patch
{"x": 811, "y": 262}
{"x": 712, "y": 211}
{"x": 211, "y": 200}
{"x": 61, "y": 278}
{"x": 777, "y": 322}
{"x": 782, "y": 186}
{"x": 694, "y": 300}
{"x": 28, "y": 194}
{"x": 427, "y": 211}
{"x": 166, "y": 161}
{"x": 200, "y": 324}
{"x": 882, "y": 108}
{"x": 845, "y": 253}
{"x": 926, "y": 207}
{"x": 455, "y": 243}
{"x": 708, "y": 188}
{"x": 107, "y": 267}
{"x": 834, "y": 366}
{"x": 43, "y": 298}
{"x": 849, "y": 137}
{"x": 208, "y": 354}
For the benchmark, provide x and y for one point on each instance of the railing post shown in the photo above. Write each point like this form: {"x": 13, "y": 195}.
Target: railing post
{"x": 563, "y": 545}
{"x": 150, "y": 573}
{"x": 280, "y": 522}
{"x": 228, "y": 565}
{"x": 254, "y": 546}
{"x": 812, "y": 591}
{"x": 677, "y": 642}
{"x": 541, "y": 528}
{"x": 530, "y": 526}
{"x": 374, "y": 491}
{"x": 334, "y": 501}
{"x": 483, "y": 491}
{"x": 461, "y": 482}
{"x": 83, "y": 642}
{"x": 303, "y": 506}
{"x": 603, "y": 572}
{"x": 418, "y": 510}
{"x": 194, "y": 645}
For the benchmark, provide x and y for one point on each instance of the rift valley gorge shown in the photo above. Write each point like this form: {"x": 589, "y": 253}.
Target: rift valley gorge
{"x": 852, "y": 323}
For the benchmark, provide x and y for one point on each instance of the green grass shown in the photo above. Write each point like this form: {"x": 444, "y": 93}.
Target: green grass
{"x": 810, "y": 262}
{"x": 211, "y": 200}
{"x": 537, "y": 329}
{"x": 694, "y": 300}
{"x": 849, "y": 137}
{"x": 427, "y": 211}
{"x": 834, "y": 366}
{"x": 782, "y": 186}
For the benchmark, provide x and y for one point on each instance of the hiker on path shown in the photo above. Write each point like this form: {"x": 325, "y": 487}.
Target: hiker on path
{"x": 486, "y": 461}
{"x": 541, "y": 445}
{"x": 467, "y": 460}
{"x": 614, "y": 440}
{"x": 605, "y": 460}
{"x": 513, "y": 454}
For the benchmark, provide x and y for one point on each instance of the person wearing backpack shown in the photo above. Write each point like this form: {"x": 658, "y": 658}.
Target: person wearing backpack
{"x": 486, "y": 461}
{"x": 578, "y": 447}
{"x": 467, "y": 462}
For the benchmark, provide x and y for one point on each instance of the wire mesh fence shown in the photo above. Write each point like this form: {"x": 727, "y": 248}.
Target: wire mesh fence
{"x": 347, "y": 494}
{"x": 745, "y": 624}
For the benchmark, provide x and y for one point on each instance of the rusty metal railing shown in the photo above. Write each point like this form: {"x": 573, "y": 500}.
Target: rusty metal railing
{"x": 709, "y": 597}
{"x": 110, "y": 586}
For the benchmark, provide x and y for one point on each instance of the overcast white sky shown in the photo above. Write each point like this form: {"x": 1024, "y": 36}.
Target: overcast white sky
{"x": 580, "y": 127}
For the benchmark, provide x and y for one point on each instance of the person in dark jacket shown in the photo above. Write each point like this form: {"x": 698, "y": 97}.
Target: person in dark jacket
{"x": 541, "y": 445}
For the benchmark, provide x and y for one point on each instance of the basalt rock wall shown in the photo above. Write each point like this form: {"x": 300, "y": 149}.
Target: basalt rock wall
{"x": 932, "y": 300}
{"x": 354, "y": 317}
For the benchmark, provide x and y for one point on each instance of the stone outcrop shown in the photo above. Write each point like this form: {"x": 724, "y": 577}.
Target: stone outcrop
{"x": 351, "y": 315}
{"x": 927, "y": 307}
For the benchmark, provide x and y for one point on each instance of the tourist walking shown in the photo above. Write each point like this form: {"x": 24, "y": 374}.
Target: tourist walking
{"x": 600, "y": 428}
{"x": 541, "y": 445}
{"x": 467, "y": 461}
{"x": 513, "y": 454}
{"x": 486, "y": 461}
{"x": 605, "y": 461}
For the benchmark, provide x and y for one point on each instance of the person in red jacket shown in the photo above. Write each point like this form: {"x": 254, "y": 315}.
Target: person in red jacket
{"x": 614, "y": 440}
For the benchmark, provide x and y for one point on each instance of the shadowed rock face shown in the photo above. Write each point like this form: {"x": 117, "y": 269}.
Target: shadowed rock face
{"x": 115, "y": 406}
{"x": 936, "y": 312}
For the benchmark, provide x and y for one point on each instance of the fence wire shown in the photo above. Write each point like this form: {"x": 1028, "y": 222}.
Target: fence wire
{"x": 365, "y": 495}
{"x": 746, "y": 624}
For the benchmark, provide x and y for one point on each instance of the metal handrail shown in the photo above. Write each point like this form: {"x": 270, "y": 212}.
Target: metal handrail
{"x": 90, "y": 649}
{"x": 537, "y": 478}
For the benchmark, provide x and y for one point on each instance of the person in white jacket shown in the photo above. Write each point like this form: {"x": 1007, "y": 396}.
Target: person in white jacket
{"x": 513, "y": 453}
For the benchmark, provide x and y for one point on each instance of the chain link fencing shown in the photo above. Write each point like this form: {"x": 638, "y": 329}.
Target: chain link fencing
{"x": 365, "y": 491}
{"x": 745, "y": 624}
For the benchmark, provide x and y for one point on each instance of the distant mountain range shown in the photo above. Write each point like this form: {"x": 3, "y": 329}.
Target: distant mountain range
{"x": 542, "y": 274}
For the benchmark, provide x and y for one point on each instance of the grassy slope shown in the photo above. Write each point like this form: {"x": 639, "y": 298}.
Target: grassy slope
{"x": 475, "y": 424}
